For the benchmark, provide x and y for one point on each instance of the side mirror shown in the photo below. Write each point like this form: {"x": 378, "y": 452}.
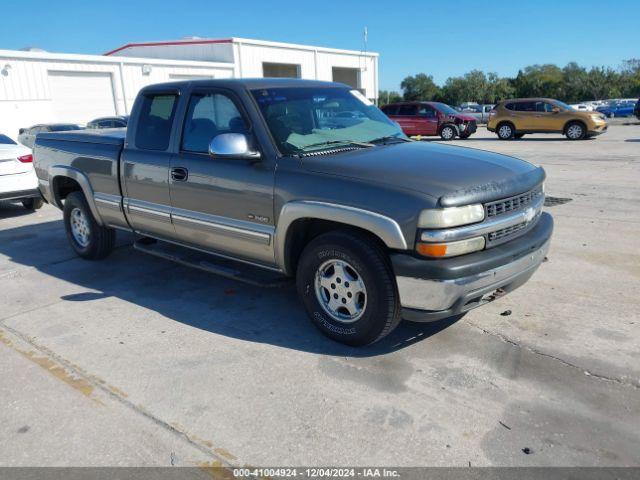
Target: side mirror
{"x": 232, "y": 145}
{"x": 555, "y": 110}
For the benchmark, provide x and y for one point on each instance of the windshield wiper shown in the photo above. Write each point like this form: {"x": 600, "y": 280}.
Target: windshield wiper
{"x": 385, "y": 140}
{"x": 338, "y": 142}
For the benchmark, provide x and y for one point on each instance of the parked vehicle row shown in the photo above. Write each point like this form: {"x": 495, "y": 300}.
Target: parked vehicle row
{"x": 617, "y": 109}
{"x": 431, "y": 119}
{"x": 516, "y": 118}
{"x": 273, "y": 173}
{"x": 27, "y": 136}
{"x": 509, "y": 119}
{"x": 18, "y": 181}
{"x": 479, "y": 112}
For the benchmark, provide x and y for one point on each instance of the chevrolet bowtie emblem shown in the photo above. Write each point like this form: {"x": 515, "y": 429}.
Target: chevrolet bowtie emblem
{"x": 529, "y": 214}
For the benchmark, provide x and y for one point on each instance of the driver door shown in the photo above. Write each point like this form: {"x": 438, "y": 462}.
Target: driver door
{"x": 219, "y": 204}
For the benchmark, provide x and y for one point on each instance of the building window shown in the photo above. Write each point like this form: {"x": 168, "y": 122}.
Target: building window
{"x": 350, "y": 76}
{"x": 280, "y": 70}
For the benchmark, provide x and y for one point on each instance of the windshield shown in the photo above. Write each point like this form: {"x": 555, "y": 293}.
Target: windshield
{"x": 305, "y": 119}
{"x": 444, "y": 108}
{"x": 564, "y": 105}
{"x": 4, "y": 140}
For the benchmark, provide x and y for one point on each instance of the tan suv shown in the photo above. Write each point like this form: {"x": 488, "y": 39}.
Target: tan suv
{"x": 515, "y": 118}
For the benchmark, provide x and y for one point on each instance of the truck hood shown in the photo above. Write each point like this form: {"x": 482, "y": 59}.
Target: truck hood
{"x": 452, "y": 175}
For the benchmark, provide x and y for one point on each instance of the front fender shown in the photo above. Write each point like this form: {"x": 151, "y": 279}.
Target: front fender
{"x": 383, "y": 227}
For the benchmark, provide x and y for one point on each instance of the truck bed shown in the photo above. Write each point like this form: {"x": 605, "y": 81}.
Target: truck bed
{"x": 90, "y": 154}
{"x": 107, "y": 136}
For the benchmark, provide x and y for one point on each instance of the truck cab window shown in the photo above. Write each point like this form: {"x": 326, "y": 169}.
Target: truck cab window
{"x": 155, "y": 121}
{"x": 209, "y": 115}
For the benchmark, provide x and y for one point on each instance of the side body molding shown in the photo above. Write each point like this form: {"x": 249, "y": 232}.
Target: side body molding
{"x": 385, "y": 228}
{"x": 83, "y": 181}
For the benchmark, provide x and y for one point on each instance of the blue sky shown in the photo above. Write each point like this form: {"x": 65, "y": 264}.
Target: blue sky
{"x": 438, "y": 38}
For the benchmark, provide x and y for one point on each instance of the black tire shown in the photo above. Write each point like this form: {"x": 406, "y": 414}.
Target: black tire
{"x": 32, "y": 203}
{"x": 518, "y": 135}
{"x": 505, "y": 131}
{"x": 575, "y": 131}
{"x": 101, "y": 240}
{"x": 448, "y": 132}
{"x": 381, "y": 309}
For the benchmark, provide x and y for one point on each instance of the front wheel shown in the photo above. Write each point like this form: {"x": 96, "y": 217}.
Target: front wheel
{"x": 505, "y": 131}
{"x": 89, "y": 239}
{"x": 348, "y": 289}
{"x": 448, "y": 133}
{"x": 32, "y": 203}
{"x": 576, "y": 131}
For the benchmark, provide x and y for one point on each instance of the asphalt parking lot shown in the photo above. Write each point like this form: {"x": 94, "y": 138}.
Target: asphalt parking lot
{"x": 138, "y": 361}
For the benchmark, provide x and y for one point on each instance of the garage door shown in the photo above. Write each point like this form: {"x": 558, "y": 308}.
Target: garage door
{"x": 79, "y": 97}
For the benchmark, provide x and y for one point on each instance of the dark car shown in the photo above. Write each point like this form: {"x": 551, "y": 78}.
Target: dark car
{"x": 622, "y": 109}
{"x": 27, "y": 136}
{"x": 636, "y": 110}
{"x": 119, "y": 121}
{"x": 431, "y": 119}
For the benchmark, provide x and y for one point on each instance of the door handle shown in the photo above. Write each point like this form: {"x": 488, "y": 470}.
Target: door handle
{"x": 179, "y": 174}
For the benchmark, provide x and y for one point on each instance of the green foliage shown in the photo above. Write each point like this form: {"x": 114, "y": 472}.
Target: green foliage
{"x": 420, "y": 87}
{"x": 387, "y": 96}
{"x": 571, "y": 84}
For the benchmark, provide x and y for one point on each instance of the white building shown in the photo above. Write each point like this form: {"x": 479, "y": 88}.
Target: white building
{"x": 41, "y": 87}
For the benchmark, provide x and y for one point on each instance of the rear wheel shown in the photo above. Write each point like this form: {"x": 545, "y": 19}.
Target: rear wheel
{"x": 448, "y": 132}
{"x": 348, "y": 289}
{"x": 576, "y": 131}
{"x": 505, "y": 131}
{"x": 87, "y": 238}
{"x": 32, "y": 203}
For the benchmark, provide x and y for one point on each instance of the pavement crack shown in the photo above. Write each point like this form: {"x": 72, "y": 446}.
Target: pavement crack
{"x": 564, "y": 362}
{"x": 120, "y": 397}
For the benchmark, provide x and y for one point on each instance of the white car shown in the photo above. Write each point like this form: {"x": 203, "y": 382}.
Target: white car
{"x": 583, "y": 107}
{"x": 18, "y": 181}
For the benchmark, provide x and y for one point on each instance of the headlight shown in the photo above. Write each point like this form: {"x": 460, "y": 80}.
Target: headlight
{"x": 451, "y": 217}
{"x": 450, "y": 249}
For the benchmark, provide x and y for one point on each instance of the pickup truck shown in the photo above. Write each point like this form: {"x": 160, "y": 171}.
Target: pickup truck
{"x": 266, "y": 180}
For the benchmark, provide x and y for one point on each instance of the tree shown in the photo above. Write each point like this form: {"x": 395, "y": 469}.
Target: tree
{"x": 388, "y": 96}
{"x": 420, "y": 87}
{"x": 540, "y": 81}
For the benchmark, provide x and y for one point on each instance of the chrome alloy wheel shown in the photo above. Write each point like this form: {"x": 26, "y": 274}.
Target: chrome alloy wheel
{"x": 80, "y": 227}
{"x": 340, "y": 291}
{"x": 447, "y": 133}
{"x": 574, "y": 131}
{"x": 505, "y": 131}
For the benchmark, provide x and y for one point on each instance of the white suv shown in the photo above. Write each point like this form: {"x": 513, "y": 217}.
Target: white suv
{"x": 18, "y": 181}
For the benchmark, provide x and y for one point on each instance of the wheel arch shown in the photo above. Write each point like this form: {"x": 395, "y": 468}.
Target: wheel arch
{"x": 64, "y": 180}
{"x": 574, "y": 120}
{"x": 449, "y": 124}
{"x": 300, "y": 221}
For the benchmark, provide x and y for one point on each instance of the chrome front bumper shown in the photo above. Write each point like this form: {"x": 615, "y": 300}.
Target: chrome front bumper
{"x": 429, "y": 300}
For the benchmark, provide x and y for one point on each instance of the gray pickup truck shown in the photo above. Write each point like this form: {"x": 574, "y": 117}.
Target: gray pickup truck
{"x": 269, "y": 179}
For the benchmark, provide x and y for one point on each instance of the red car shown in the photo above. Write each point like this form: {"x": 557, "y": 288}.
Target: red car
{"x": 430, "y": 119}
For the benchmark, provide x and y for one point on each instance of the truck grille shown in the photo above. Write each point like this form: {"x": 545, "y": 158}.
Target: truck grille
{"x": 505, "y": 232}
{"x": 512, "y": 204}
{"x": 509, "y": 205}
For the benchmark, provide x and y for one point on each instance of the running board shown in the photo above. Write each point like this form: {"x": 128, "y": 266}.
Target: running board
{"x": 234, "y": 270}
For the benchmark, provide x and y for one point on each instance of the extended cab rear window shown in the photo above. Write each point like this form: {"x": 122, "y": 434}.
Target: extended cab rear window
{"x": 155, "y": 121}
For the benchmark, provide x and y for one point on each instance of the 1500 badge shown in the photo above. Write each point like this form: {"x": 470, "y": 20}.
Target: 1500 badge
{"x": 258, "y": 218}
